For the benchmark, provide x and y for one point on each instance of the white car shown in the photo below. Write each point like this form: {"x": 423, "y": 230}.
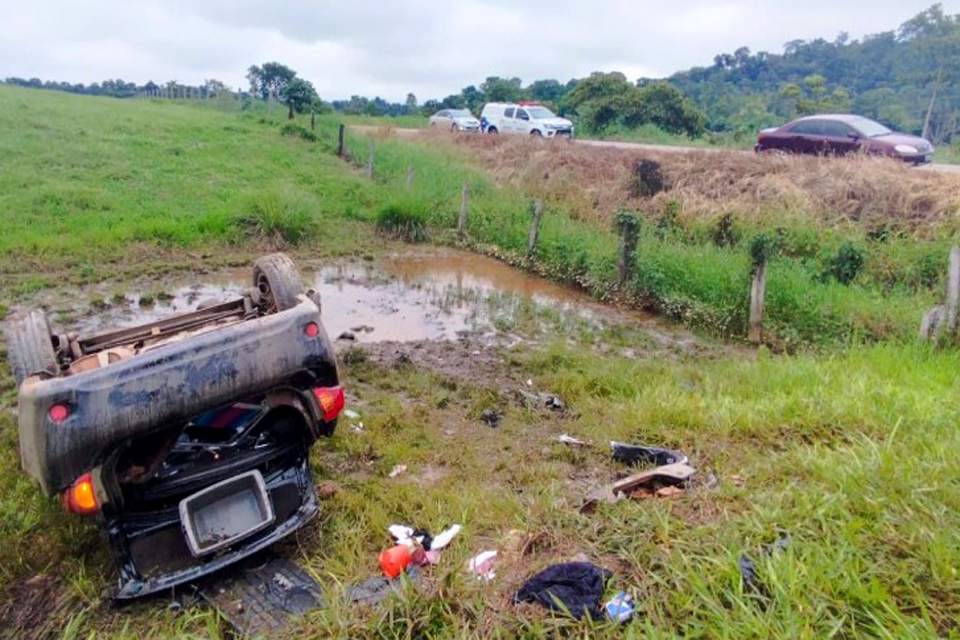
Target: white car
{"x": 455, "y": 120}
{"x": 528, "y": 118}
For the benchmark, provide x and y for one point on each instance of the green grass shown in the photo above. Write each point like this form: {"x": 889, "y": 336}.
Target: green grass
{"x": 652, "y": 134}
{"x": 850, "y": 450}
{"x": 402, "y": 122}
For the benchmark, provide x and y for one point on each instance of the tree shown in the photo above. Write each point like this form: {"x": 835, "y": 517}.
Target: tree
{"x": 410, "y": 106}
{"x": 546, "y": 90}
{"x": 270, "y": 79}
{"x": 600, "y": 99}
{"x": 497, "y": 89}
{"x": 662, "y": 104}
{"x": 299, "y": 95}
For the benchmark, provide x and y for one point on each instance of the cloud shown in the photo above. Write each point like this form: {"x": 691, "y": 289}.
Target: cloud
{"x": 430, "y": 48}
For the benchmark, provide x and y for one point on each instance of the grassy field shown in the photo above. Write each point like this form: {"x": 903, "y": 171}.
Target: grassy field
{"x": 846, "y": 446}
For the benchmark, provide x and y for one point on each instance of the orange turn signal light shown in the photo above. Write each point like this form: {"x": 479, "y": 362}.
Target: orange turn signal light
{"x": 80, "y": 496}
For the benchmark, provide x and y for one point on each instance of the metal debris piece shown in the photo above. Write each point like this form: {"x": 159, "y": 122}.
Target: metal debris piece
{"x": 643, "y": 454}
{"x": 258, "y": 597}
{"x": 671, "y": 474}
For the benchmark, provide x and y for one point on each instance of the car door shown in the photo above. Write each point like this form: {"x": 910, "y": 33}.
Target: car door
{"x": 840, "y": 138}
{"x": 807, "y": 137}
{"x": 509, "y": 122}
{"x": 522, "y": 121}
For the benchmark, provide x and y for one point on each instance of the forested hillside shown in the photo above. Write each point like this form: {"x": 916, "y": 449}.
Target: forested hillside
{"x": 906, "y": 78}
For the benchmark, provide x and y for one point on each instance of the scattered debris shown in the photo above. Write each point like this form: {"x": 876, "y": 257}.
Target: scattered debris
{"x": 350, "y": 414}
{"x": 671, "y": 474}
{"x": 620, "y": 607}
{"x": 395, "y": 559}
{"x": 375, "y": 590}
{"x": 398, "y": 470}
{"x": 737, "y": 480}
{"x": 327, "y": 489}
{"x": 357, "y": 428}
{"x": 347, "y": 335}
{"x": 444, "y": 538}
{"x": 572, "y": 587}
{"x": 540, "y": 399}
{"x": 529, "y": 382}
{"x": 259, "y": 596}
{"x": 642, "y": 454}
{"x": 481, "y": 565}
{"x": 363, "y": 328}
{"x": 748, "y": 568}
{"x": 567, "y": 439}
{"x": 491, "y": 417}
{"x": 669, "y": 491}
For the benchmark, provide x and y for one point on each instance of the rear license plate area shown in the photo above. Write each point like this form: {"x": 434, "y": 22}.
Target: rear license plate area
{"x": 226, "y": 513}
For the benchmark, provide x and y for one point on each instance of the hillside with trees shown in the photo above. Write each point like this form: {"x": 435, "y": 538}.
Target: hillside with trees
{"x": 906, "y": 78}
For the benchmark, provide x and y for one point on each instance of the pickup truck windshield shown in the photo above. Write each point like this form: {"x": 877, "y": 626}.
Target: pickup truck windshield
{"x": 540, "y": 113}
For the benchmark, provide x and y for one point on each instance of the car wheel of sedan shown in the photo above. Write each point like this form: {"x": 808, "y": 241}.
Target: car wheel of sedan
{"x": 454, "y": 127}
{"x": 30, "y": 347}
{"x": 276, "y": 278}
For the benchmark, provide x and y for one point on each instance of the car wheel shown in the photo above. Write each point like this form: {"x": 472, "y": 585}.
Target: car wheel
{"x": 536, "y": 133}
{"x": 276, "y": 278}
{"x": 30, "y": 346}
{"x": 769, "y": 151}
{"x": 454, "y": 127}
{"x": 492, "y": 130}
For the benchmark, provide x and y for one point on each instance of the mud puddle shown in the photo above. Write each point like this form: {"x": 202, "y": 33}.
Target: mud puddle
{"x": 438, "y": 294}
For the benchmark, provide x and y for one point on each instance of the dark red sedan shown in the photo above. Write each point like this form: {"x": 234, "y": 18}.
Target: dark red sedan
{"x": 843, "y": 134}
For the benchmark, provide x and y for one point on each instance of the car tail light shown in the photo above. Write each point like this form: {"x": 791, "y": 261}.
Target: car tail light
{"x": 331, "y": 401}
{"x": 80, "y": 496}
{"x": 58, "y": 412}
{"x": 312, "y": 329}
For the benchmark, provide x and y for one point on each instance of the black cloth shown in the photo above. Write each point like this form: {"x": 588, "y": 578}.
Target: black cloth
{"x": 574, "y": 586}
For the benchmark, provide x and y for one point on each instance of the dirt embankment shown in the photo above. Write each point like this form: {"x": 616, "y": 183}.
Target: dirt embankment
{"x": 593, "y": 182}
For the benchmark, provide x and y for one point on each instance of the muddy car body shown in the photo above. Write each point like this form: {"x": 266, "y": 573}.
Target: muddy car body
{"x": 187, "y": 437}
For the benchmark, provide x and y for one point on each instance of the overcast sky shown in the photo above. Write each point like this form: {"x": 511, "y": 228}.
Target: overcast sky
{"x": 432, "y": 48}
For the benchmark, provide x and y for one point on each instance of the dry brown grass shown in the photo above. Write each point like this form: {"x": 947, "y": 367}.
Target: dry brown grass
{"x": 593, "y": 182}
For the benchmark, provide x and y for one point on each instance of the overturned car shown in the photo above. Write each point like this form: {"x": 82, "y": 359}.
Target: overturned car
{"x": 188, "y": 437}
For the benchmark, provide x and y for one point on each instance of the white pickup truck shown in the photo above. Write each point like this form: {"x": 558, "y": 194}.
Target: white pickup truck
{"x": 526, "y": 118}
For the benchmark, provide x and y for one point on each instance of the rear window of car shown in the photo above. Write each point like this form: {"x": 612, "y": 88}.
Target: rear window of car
{"x": 808, "y": 127}
{"x": 508, "y": 113}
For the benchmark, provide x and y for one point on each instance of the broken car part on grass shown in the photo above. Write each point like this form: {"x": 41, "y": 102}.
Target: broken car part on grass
{"x": 198, "y": 423}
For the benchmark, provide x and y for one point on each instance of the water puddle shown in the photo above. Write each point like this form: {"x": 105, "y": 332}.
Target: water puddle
{"x": 425, "y": 295}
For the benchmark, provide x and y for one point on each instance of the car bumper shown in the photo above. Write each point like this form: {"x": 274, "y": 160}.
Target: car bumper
{"x": 559, "y": 133}
{"x": 919, "y": 158}
{"x": 111, "y": 405}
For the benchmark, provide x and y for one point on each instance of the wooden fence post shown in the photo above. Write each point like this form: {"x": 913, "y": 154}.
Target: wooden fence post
{"x": 953, "y": 292}
{"x": 409, "y": 176}
{"x": 340, "y": 147}
{"x": 629, "y": 228}
{"x": 757, "y": 288}
{"x": 313, "y": 121}
{"x": 534, "y": 232}
{"x": 462, "y": 220}
{"x": 370, "y": 161}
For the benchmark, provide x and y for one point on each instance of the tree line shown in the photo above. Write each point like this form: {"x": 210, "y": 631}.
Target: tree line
{"x": 906, "y": 78}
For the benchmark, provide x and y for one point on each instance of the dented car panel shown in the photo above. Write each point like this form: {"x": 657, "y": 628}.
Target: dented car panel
{"x": 164, "y": 385}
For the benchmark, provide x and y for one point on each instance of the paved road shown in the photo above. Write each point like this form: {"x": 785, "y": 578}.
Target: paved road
{"x": 639, "y": 146}
{"x": 943, "y": 168}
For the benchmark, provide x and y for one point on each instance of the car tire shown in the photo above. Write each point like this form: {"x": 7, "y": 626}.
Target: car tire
{"x": 454, "y": 128}
{"x": 277, "y": 279}
{"x": 536, "y": 133}
{"x": 492, "y": 130}
{"x": 30, "y": 346}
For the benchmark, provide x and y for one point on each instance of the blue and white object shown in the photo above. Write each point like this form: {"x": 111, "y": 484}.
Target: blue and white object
{"x": 620, "y": 607}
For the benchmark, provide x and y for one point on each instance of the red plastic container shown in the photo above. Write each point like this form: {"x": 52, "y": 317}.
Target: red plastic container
{"x": 394, "y": 560}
